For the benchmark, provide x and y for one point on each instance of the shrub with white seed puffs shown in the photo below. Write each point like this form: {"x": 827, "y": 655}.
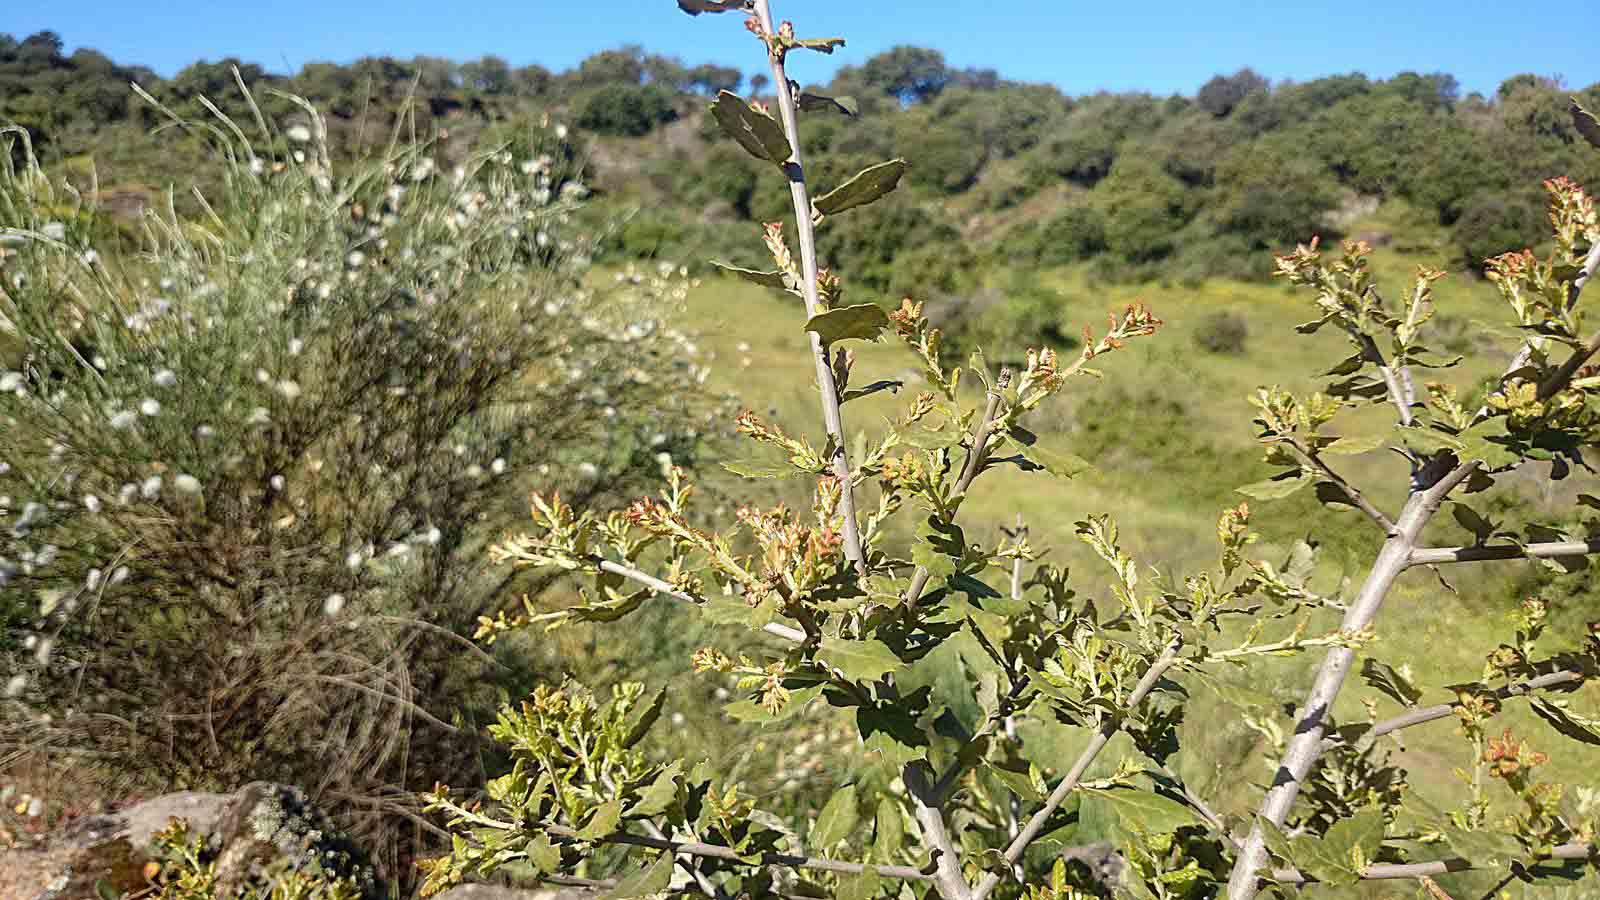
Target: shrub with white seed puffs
{"x": 247, "y": 474}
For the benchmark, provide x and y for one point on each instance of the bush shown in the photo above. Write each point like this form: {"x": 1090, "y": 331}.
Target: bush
{"x": 246, "y": 477}
{"x": 627, "y": 110}
{"x": 1222, "y": 332}
{"x": 1079, "y": 232}
{"x": 1492, "y": 224}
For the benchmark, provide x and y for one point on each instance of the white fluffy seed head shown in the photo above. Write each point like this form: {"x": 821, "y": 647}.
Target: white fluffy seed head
{"x": 333, "y": 604}
{"x": 187, "y": 484}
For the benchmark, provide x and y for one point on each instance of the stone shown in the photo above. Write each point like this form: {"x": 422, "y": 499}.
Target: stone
{"x": 252, "y": 828}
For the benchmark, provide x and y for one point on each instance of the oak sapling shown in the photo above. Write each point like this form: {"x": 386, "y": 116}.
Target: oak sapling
{"x": 837, "y": 611}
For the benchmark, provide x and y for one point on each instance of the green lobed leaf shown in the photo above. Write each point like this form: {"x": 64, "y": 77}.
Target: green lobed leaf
{"x": 837, "y": 819}
{"x": 1020, "y": 783}
{"x": 643, "y": 717}
{"x": 603, "y": 821}
{"x": 1276, "y": 488}
{"x": 726, "y": 610}
{"x": 1057, "y": 463}
{"x": 657, "y": 798}
{"x": 1278, "y": 842}
{"x": 864, "y": 187}
{"x": 1352, "y": 842}
{"x": 939, "y": 565}
{"x": 1387, "y": 678}
{"x": 1349, "y": 446}
{"x": 891, "y": 734}
{"x": 866, "y": 660}
{"x": 890, "y": 831}
{"x": 545, "y": 856}
{"x": 864, "y": 322}
{"x": 1578, "y": 728}
{"x": 755, "y": 467}
{"x": 773, "y": 279}
{"x": 751, "y": 711}
{"x": 1488, "y": 848}
{"x": 1146, "y": 810}
{"x": 861, "y": 886}
{"x": 1467, "y": 517}
{"x": 651, "y": 878}
{"x": 821, "y": 45}
{"x": 758, "y": 133}
{"x": 814, "y": 102}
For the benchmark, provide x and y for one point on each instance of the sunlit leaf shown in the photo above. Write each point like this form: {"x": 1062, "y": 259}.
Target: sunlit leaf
{"x": 866, "y": 660}
{"x": 837, "y": 820}
{"x": 1582, "y": 729}
{"x": 757, "y": 132}
{"x": 545, "y": 856}
{"x": 772, "y": 279}
{"x": 603, "y": 822}
{"x": 643, "y": 717}
{"x": 651, "y": 878}
{"x": 1487, "y": 848}
{"x": 863, "y": 322}
{"x": 1056, "y": 462}
{"x": 1387, "y": 678}
{"x": 1145, "y": 809}
{"x": 864, "y": 187}
{"x": 1276, "y": 488}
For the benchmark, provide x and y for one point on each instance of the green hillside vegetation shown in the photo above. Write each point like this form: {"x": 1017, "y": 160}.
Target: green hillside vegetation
{"x": 1003, "y": 175}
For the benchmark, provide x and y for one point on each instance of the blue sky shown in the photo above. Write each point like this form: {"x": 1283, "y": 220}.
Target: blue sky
{"x": 1159, "y": 45}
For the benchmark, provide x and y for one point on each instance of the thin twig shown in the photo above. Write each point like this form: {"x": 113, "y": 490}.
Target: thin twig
{"x": 700, "y": 879}
{"x": 662, "y": 587}
{"x": 1559, "y": 379}
{"x": 717, "y": 851}
{"x": 1444, "y": 710}
{"x": 1395, "y": 380}
{"x": 969, "y": 471}
{"x": 1109, "y": 727}
{"x": 1428, "y": 556}
{"x": 1386, "y": 871}
{"x": 805, "y": 229}
{"x": 1312, "y": 460}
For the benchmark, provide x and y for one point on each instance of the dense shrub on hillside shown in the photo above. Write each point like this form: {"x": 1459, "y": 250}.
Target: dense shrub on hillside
{"x": 247, "y": 475}
{"x": 627, "y": 110}
{"x": 1492, "y": 223}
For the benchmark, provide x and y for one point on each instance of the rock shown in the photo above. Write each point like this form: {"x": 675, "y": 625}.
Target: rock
{"x": 259, "y": 825}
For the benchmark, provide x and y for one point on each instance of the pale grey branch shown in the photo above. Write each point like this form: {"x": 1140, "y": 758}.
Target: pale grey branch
{"x": 1036, "y": 823}
{"x": 717, "y": 851}
{"x": 806, "y": 233}
{"x": 969, "y": 472}
{"x": 661, "y": 587}
{"x": 1428, "y": 556}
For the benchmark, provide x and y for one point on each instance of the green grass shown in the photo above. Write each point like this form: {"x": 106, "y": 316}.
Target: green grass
{"x": 1168, "y": 429}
